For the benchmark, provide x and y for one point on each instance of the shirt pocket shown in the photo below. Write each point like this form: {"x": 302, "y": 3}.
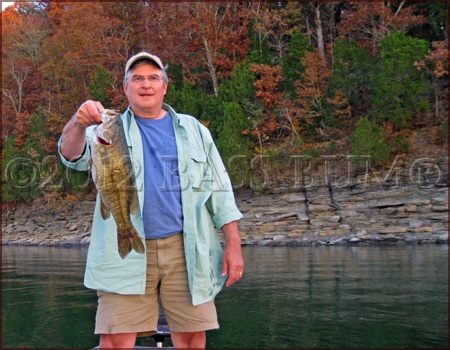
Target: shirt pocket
{"x": 198, "y": 168}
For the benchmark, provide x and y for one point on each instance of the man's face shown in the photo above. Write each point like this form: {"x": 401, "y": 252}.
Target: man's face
{"x": 145, "y": 90}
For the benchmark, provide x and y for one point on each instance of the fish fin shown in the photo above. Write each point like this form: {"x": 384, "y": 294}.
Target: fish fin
{"x": 124, "y": 246}
{"x": 134, "y": 202}
{"x": 106, "y": 213}
{"x": 136, "y": 242}
{"x": 128, "y": 241}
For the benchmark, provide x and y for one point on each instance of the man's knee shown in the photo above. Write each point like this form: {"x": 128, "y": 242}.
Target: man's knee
{"x": 189, "y": 339}
{"x": 117, "y": 341}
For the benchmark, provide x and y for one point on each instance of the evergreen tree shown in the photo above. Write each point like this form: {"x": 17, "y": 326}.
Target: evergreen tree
{"x": 369, "y": 143}
{"x": 260, "y": 48}
{"x": 100, "y": 83}
{"x": 352, "y": 71}
{"x": 239, "y": 89}
{"x": 292, "y": 61}
{"x": 20, "y": 171}
{"x": 399, "y": 89}
{"x": 232, "y": 145}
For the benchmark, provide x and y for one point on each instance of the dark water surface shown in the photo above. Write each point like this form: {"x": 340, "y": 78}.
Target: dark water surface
{"x": 295, "y": 297}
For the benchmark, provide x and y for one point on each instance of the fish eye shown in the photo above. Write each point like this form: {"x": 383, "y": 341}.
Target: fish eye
{"x": 118, "y": 122}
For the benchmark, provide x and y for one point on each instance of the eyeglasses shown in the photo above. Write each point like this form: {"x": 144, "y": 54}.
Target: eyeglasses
{"x": 152, "y": 79}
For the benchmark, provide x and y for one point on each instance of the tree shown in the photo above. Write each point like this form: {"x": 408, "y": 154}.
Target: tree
{"x": 21, "y": 43}
{"x": 292, "y": 61}
{"x": 232, "y": 144}
{"x": 436, "y": 65}
{"x": 311, "y": 89}
{"x": 369, "y": 143}
{"x": 190, "y": 100}
{"x": 352, "y": 72}
{"x": 268, "y": 86}
{"x": 100, "y": 84}
{"x": 436, "y": 26}
{"x": 206, "y": 39}
{"x": 277, "y": 25}
{"x": 369, "y": 22}
{"x": 319, "y": 31}
{"x": 240, "y": 89}
{"x": 67, "y": 68}
{"x": 399, "y": 89}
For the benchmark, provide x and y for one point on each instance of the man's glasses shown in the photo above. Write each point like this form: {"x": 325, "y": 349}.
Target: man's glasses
{"x": 152, "y": 79}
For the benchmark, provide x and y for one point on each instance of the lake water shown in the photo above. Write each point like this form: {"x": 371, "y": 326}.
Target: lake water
{"x": 393, "y": 296}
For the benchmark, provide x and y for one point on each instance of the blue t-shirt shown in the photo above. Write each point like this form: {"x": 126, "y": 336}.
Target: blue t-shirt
{"x": 162, "y": 211}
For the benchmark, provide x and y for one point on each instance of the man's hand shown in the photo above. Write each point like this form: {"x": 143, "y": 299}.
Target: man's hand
{"x": 74, "y": 133}
{"x": 232, "y": 260}
{"x": 88, "y": 114}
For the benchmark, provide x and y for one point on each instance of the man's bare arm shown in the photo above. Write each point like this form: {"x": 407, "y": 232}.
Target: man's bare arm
{"x": 74, "y": 133}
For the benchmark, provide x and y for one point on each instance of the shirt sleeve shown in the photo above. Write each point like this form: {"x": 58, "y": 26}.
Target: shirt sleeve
{"x": 221, "y": 204}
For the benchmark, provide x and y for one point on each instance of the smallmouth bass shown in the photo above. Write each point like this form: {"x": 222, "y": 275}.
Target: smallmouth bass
{"x": 113, "y": 177}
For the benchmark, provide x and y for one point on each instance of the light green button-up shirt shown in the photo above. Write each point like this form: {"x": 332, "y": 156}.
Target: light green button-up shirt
{"x": 207, "y": 200}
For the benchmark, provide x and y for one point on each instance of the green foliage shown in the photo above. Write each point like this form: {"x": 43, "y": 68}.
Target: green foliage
{"x": 369, "y": 143}
{"x": 39, "y": 132}
{"x": 176, "y": 76}
{"x": 74, "y": 181}
{"x": 352, "y": 72}
{"x": 231, "y": 143}
{"x": 100, "y": 83}
{"x": 20, "y": 174}
{"x": 60, "y": 71}
{"x": 292, "y": 61}
{"x": 239, "y": 89}
{"x": 31, "y": 172}
{"x": 189, "y": 100}
{"x": 399, "y": 89}
{"x": 399, "y": 144}
{"x": 23, "y": 169}
{"x": 437, "y": 20}
{"x": 260, "y": 48}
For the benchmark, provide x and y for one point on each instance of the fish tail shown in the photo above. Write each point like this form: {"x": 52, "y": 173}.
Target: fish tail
{"x": 130, "y": 240}
{"x": 136, "y": 241}
{"x": 124, "y": 246}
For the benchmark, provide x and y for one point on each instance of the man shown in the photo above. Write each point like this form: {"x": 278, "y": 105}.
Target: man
{"x": 184, "y": 195}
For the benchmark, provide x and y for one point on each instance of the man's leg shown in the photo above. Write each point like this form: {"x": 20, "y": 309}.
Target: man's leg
{"x": 117, "y": 341}
{"x": 188, "y": 340}
{"x": 187, "y": 322}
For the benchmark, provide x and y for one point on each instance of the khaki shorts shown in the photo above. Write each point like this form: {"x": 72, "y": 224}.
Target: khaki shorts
{"x": 167, "y": 282}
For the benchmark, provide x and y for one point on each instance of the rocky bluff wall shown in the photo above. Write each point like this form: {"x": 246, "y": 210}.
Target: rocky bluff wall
{"x": 318, "y": 214}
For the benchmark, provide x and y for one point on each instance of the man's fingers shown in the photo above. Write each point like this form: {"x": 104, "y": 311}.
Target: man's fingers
{"x": 94, "y": 108}
{"x": 88, "y": 113}
{"x": 224, "y": 268}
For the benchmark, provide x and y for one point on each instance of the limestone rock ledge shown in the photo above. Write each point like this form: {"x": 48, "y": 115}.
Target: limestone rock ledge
{"x": 318, "y": 215}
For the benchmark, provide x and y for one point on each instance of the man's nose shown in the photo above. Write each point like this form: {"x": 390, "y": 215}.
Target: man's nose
{"x": 146, "y": 83}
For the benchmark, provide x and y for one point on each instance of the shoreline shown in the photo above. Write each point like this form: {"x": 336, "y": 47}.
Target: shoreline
{"x": 316, "y": 216}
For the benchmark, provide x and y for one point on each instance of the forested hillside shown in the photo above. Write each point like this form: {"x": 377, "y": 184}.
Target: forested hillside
{"x": 271, "y": 80}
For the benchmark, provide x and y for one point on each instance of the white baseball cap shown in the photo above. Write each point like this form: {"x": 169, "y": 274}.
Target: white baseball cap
{"x": 141, "y": 56}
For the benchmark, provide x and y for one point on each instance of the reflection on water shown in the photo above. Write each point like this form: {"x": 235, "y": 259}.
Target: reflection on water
{"x": 44, "y": 303}
{"x": 297, "y": 297}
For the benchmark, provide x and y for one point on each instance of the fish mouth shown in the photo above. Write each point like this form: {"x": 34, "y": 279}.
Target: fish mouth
{"x": 103, "y": 142}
